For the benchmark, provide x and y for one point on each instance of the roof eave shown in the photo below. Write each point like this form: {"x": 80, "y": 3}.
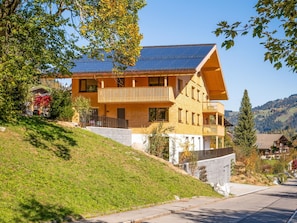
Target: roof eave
{"x": 179, "y": 72}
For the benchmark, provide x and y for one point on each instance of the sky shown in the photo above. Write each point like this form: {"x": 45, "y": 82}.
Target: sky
{"x": 174, "y": 22}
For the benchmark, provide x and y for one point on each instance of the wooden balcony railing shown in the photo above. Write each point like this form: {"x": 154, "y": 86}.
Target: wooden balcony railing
{"x": 213, "y": 107}
{"x": 213, "y": 130}
{"x": 103, "y": 121}
{"x": 135, "y": 94}
{"x": 209, "y": 154}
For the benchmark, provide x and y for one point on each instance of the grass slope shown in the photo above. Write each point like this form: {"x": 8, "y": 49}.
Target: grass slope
{"x": 49, "y": 172}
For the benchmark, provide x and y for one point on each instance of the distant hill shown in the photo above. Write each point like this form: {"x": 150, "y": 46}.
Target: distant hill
{"x": 273, "y": 116}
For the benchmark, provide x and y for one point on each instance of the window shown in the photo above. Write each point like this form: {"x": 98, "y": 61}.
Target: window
{"x": 87, "y": 85}
{"x": 180, "y": 115}
{"x": 93, "y": 116}
{"x": 193, "y": 118}
{"x": 156, "y": 81}
{"x": 198, "y": 95}
{"x": 180, "y": 85}
{"x": 187, "y": 117}
{"x": 120, "y": 82}
{"x": 193, "y": 143}
{"x": 193, "y": 93}
{"x": 158, "y": 114}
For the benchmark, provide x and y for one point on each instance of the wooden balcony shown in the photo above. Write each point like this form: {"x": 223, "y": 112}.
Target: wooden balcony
{"x": 213, "y": 130}
{"x": 135, "y": 94}
{"x": 213, "y": 107}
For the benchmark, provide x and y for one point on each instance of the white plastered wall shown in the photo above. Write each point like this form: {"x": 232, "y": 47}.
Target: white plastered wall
{"x": 177, "y": 144}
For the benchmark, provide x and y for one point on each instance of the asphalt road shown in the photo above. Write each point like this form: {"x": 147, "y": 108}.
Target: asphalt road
{"x": 276, "y": 204}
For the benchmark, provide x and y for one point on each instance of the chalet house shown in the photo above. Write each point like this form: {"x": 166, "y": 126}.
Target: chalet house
{"x": 272, "y": 145}
{"x": 178, "y": 85}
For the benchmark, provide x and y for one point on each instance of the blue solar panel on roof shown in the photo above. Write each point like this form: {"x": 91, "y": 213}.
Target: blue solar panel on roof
{"x": 152, "y": 58}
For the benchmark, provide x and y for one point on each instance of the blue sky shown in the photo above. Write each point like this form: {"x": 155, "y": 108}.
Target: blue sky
{"x": 170, "y": 22}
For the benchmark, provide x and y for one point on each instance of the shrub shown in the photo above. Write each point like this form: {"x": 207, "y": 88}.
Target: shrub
{"x": 61, "y": 105}
{"x": 278, "y": 167}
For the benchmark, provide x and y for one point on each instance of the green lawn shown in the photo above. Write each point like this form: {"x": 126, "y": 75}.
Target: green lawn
{"x": 50, "y": 172}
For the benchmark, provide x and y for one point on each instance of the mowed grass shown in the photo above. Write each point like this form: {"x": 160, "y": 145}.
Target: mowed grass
{"x": 52, "y": 172}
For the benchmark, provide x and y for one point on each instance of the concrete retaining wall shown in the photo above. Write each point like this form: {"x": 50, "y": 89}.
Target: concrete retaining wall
{"x": 122, "y": 136}
{"x": 218, "y": 169}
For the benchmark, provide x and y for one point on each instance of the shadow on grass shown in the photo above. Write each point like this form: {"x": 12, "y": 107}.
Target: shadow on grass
{"x": 33, "y": 211}
{"x": 45, "y": 135}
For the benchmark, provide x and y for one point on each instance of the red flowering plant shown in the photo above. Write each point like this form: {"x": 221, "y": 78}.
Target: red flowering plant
{"x": 42, "y": 102}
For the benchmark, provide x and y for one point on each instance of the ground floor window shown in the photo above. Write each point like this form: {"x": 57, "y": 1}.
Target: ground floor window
{"x": 158, "y": 114}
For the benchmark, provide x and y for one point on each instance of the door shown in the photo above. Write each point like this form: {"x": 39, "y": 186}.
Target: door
{"x": 121, "y": 113}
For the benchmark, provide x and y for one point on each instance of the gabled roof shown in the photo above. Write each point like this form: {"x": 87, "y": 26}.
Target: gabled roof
{"x": 152, "y": 58}
{"x": 266, "y": 141}
{"x": 181, "y": 59}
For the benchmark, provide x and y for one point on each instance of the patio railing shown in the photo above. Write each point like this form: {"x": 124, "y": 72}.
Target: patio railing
{"x": 103, "y": 121}
{"x": 210, "y": 154}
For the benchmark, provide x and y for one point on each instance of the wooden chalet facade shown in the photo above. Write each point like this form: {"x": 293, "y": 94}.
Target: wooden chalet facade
{"x": 272, "y": 146}
{"x": 178, "y": 85}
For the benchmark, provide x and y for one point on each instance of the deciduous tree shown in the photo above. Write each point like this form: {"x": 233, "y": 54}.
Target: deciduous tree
{"x": 83, "y": 106}
{"x": 40, "y": 37}
{"x": 275, "y": 24}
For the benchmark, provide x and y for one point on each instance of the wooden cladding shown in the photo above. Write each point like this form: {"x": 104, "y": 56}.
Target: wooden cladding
{"x": 213, "y": 107}
{"x": 213, "y": 130}
{"x": 135, "y": 94}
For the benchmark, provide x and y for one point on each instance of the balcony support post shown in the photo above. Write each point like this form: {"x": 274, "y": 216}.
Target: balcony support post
{"x": 133, "y": 82}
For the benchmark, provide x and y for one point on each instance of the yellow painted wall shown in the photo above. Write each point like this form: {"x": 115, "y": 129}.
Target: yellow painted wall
{"x": 137, "y": 114}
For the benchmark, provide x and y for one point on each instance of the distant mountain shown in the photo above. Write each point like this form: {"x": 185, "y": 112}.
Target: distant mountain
{"x": 273, "y": 116}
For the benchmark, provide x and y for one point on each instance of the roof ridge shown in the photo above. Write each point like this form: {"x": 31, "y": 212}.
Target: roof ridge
{"x": 179, "y": 45}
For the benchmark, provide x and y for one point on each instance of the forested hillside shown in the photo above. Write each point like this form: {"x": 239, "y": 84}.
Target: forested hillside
{"x": 273, "y": 116}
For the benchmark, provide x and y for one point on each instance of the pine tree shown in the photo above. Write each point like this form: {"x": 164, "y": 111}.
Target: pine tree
{"x": 245, "y": 132}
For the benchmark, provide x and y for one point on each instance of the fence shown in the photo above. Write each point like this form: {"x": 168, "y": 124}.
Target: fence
{"x": 210, "y": 154}
{"x": 103, "y": 121}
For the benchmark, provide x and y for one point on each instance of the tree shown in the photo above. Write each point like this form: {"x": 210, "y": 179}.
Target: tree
{"x": 61, "y": 105}
{"x": 280, "y": 42}
{"x": 82, "y": 105}
{"x": 159, "y": 141}
{"x": 244, "y": 131}
{"x": 40, "y": 37}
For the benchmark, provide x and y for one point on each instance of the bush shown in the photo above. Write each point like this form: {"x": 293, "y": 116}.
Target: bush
{"x": 61, "y": 105}
{"x": 253, "y": 162}
{"x": 278, "y": 167}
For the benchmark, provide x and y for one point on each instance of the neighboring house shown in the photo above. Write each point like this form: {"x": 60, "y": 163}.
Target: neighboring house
{"x": 176, "y": 85}
{"x": 32, "y": 107}
{"x": 272, "y": 145}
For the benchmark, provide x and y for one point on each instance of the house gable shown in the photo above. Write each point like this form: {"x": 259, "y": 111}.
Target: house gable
{"x": 266, "y": 141}
{"x": 180, "y": 60}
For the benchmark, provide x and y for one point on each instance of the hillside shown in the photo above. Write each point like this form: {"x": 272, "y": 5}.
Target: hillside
{"x": 273, "y": 115}
{"x": 49, "y": 172}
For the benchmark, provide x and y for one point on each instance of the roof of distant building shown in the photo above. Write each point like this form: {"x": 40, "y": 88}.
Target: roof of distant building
{"x": 266, "y": 141}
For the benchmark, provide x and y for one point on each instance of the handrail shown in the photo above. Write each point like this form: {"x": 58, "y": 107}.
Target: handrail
{"x": 108, "y": 122}
{"x": 210, "y": 153}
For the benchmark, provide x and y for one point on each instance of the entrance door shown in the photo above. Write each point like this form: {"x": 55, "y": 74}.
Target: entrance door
{"x": 121, "y": 113}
